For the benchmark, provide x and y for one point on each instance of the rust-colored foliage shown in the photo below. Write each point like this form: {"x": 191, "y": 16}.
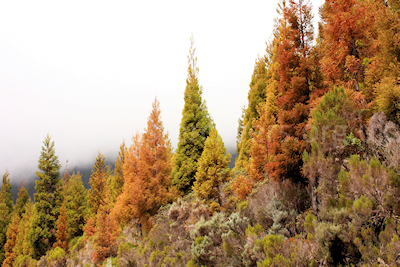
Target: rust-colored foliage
{"x": 147, "y": 174}
{"x": 106, "y": 234}
{"x": 287, "y": 143}
{"x": 62, "y": 229}
{"x": 242, "y": 186}
{"x": 347, "y": 28}
{"x": 89, "y": 228}
{"x": 12, "y": 233}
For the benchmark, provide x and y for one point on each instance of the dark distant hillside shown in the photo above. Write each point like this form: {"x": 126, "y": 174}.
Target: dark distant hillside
{"x": 85, "y": 170}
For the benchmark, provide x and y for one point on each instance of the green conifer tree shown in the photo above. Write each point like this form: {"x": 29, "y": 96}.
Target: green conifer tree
{"x": 194, "y": 129}
{"x": 75, "y": 199}
{"x": 257, "y": 95}
{"x": 48, "y": 198}
{"x": 118, "y": 167}
{"x": 6, "y": 208}
{"x": 97, "y": 183}
{"x": 213, "y": 170}
{"x": 5, "y": 193}
{"x": 22, "y": 199}
{"x": 23, "y": 250}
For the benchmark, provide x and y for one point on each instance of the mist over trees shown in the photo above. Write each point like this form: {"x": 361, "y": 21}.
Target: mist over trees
{"x": 316, "y": 181}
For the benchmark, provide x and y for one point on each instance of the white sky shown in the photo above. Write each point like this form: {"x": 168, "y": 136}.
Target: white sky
{"x": 87, "y": 72}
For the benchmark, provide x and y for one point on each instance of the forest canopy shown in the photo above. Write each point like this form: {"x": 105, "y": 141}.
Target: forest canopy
{"x": 316, "y": 181}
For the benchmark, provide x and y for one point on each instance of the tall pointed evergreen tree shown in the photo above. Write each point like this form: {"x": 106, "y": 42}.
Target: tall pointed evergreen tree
{"x": 5, "y": 193}
{"x": 77, "y": 208}
{"x": 6, "y": 208}
{"x": 194, "y": 129}
{"x": 97, "y": 183}
{"x": 213, "y": 170}
{"x": 294, "y": 84}
{"x": 12, "y": 233}
{"x": 22, "y": 199}
{"x": 24, "y": 249}
{"x": 257, "y": 95}
{"x": 48, "y": 198}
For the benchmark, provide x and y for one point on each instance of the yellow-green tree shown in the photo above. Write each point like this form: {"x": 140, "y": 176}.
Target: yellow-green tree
{"x": 23, "y": 198}
{"x": 97, "y": 183}
{"x": 194, "y": 129}
{"x": 75, "y": 199}
{"x": 256, "y": 95}
{"x": 6, "y": 208}
{"x": 48, "y": 199}
{"x": 213, "y": 170}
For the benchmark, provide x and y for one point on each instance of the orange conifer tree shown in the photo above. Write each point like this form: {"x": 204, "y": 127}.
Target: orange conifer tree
{"x": 294, "y": 78}
{"x": 12, "y": 233}
{"x": 347, "y": 27}
{"x": 89, "y": 228}
{"x": 106, "y": 234}
{"x": 62, "y": 229}
{"x": 147, "y": 173}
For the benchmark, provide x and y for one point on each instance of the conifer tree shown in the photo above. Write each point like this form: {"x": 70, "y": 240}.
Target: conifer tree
{"x": 347, "y": 28}
{"x": 213, "y": 170}
{"x": 240, "y": 130}
{"x": 90, "y": 228}
{"x": 62, "y": 234}
{"x": 147, "y": 173}
{"x": 23, "y": 247}
{"x": 118, "y": 167}
{"x": 48, "y": 199}
{"x": 6, "y": 193}
{"x": 257, "y": 95}
{"x": 22, "y": 199}
{"x": 22, "y": 203}
{"x": 6, "y": 208}
{"x": 97, "y": 183}
{"x": 12, "y": 233}
{"x": 115, "y": 181}
{"x": 105, "y": 235}
{"x": 75, "y": 199}
{"x": 294, "y": 80}
{"x": 194, "y": 129}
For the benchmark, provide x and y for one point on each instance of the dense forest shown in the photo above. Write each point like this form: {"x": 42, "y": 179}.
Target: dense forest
{"x": 316, "y": 181}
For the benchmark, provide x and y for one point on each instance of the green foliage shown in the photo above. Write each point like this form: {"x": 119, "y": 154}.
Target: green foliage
{"x": 26, "y": 261}
{"x": 213, "y": 170}
{"x": 55, "y": 257}
{"x": 119, "y": 178}
{"x": 97, "y": 183}
{"x": 48, "y": 198}
{"x": 76, "y": 202}
{"x": 256, "y": 95}
{"x": 5, "y": 193}
{"x": 387, "y": 95}
{"x": 77, "y": 243}
{"x": 22, "y": 199}
{"x": 195, "y": 127}
{"x": 6, "y": 208}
